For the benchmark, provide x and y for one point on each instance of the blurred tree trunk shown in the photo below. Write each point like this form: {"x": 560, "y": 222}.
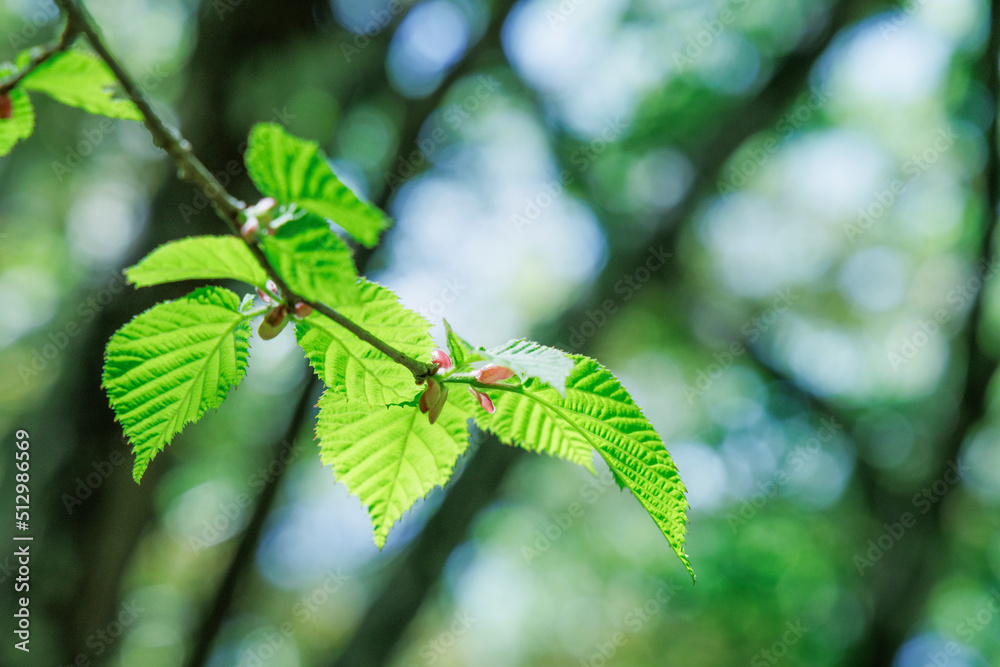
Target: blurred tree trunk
{"x": 416, "y": 577}
{"x": 106, "y": 529}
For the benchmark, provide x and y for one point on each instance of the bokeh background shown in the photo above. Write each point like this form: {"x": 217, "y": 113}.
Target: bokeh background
{"x": 772, "y": 220}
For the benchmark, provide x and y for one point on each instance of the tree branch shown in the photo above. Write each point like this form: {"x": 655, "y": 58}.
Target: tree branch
{"x": 385, "y": 621}
{"x": 65, "y": 40}
{"x": 230, "y": 209}
{"x": 492, "y": 459}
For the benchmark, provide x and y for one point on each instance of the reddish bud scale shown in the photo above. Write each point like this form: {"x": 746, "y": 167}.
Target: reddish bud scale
{"x": 303, "y": 310}
{"x": 6, "y": 107}
{"x": 430, "y": 396}
{"x": 441, "y": 358}
{"x": 485, "y": 401}
{"x": 274, "y": 322}
{"x": 491, "y": 374}
{"x": 436, "y": 409}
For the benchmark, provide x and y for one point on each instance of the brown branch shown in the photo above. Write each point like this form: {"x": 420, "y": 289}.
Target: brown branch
{"x": 230, "y": 209}
{"x": 383, "y": 624}
{"x": 65, "y": 40}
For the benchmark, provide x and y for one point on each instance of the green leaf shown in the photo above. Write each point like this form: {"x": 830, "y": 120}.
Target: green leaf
{"x": 295, "y": 171}
{"x": 198, "y": 257}
{"x": 389, "y": 457}
{"x": 81, "y": 80}
{"x": 532, "y": 417}
{"x": 21, "y": 123}
{"x": 354, "y": 368}
{"x": 313, "y": 260}
{"x": 529, "y": 359}
{"x": 462, "y": 352}
{"x": 596, "y": 412}
{"x": 173, "y": 362}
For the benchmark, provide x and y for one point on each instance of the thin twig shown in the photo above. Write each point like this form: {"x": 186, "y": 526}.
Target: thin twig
{"x": 390, "y": 613}
{"x": 229, "y": 208}
{"x": 69, "y": 34}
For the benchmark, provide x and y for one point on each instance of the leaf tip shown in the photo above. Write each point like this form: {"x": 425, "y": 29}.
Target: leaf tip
{"x": 138, "y": 470}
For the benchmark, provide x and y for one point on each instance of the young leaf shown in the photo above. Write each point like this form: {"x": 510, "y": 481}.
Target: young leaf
{"x": 173, "y": 362}
{"x": 80, "y": 80}
{"x": 389, "y": 457}
{"x": 352, "y": 367}
{"x": 198, "y": 257}
{"x": 599, "y": 412}
{"x": 313, "y": 260}
{"x": 529, "y": 359}
{"x": 21, "y": 123}
{"x": 295, "y": 171}
{"x": 532, "y": 418}
{"x": 462, "y": 353}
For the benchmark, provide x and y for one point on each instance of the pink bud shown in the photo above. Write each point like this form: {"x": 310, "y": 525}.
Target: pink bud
{"x": 441, "y": 358}
{"x": 491, "y": 374}
{"x": 303, "y": 310}
{"x": 271, "y": 287}
{"x": 264, "y": 295}
{"x": 430, "y": 396}
{"x": 484, "y": 400}
{"x": 250, "y": 228}
{"x": 436, "y": 409}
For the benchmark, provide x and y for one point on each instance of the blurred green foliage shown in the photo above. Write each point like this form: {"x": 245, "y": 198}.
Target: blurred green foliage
{"x": 825, "y": 272}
